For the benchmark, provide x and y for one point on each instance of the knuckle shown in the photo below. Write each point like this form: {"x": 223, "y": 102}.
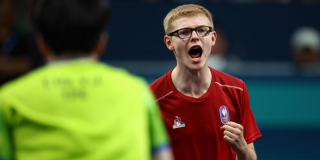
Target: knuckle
{"x": 238, "y": 133}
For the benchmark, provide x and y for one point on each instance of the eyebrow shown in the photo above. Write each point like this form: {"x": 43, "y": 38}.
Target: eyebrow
{"x": 194, "y": 27}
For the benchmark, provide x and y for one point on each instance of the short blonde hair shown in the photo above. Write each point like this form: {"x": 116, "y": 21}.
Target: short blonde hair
{"x": 186, "y": 10}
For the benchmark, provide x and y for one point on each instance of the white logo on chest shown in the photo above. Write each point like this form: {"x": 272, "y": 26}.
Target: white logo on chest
{"x": 177, "y": 123}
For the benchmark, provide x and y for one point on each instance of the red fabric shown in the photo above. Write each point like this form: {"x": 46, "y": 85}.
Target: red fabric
{"x": 201, "y": 138}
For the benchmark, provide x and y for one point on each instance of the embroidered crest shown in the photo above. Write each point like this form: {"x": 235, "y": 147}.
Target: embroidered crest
{"x": 224, "y": 114}
{"x": 178, "y": 123}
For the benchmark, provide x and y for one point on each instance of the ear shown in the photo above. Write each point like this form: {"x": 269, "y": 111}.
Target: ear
{"x": 214, "y": 38}
{"x": 101, "y": 44}
{"x": 43, "y": 47}
{"x": 168, "y": 42}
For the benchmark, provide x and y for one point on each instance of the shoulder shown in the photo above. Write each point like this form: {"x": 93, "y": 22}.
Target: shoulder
{"x": 161, "y": 85}
{"x": 224, "y": 79}
{"x": 115, "y": 75}
{"x": 20, "y": 84}
{"x": 123, "y": 83}
{"x": 123, "y": 77}
{"x": 158, "y": 82}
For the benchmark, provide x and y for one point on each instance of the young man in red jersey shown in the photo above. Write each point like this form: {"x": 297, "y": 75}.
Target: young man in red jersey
{"x": 207, "y": 112}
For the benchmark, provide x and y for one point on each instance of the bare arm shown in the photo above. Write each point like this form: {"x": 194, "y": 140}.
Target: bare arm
{"x": 248, "y": 154}
{"x": 165, "y": 154}
{"x": 233, "y": 134}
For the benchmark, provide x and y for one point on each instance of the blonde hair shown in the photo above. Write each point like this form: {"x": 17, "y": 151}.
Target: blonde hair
{"x": 186, "y": 10}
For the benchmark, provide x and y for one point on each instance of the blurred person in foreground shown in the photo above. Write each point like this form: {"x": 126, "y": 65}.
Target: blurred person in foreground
{"x": 75, "y": 107}
{"x": 207, "y": 112}
{"x": 305, "y": 45}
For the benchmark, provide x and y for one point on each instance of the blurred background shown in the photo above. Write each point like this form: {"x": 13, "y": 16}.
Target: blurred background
{"x": 273, "y": 45}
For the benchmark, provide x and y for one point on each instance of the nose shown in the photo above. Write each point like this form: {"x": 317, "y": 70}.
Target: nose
{"x": 194, "y": 36}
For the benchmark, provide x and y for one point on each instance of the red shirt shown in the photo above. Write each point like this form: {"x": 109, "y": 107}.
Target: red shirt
{"x": 194, "y": 123}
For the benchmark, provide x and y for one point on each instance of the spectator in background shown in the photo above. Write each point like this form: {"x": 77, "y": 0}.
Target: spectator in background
{"x": 75, "y": 107}
{"x": 17, "y": 50}
{"x": 220, "y": 58}
{"x": 305, "y": 45}
{"x": 217, "y": 58}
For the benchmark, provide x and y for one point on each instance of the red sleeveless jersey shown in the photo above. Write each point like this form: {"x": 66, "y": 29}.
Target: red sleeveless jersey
{"x": 194, "y": 123}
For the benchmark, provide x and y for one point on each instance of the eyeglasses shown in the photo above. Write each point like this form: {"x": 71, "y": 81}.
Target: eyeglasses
{"x": 186, "y": 32}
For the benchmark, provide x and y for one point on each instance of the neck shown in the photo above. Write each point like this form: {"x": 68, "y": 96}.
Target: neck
{"x": 52, "y": 57}
{"x": 192, "y": 83}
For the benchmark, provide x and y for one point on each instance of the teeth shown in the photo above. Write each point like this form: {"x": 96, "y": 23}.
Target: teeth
{"x": 196, "y": 58}
{"x": 196, "y": 47}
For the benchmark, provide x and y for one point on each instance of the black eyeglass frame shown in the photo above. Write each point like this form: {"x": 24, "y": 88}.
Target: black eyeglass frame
{"x": 192, "y": 29}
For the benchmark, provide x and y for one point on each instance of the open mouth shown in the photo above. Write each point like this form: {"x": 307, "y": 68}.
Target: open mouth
{"x": 195, "y": 52}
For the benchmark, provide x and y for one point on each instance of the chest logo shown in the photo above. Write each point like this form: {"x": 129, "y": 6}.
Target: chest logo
{"x": 178, "y": 123}
{"x": 224, "y": 114}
